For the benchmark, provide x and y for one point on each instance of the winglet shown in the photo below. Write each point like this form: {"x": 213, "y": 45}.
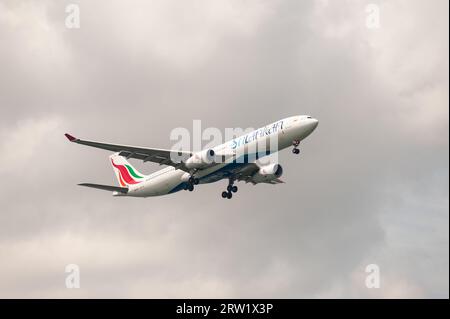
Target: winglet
{"x": 70, "y": 137}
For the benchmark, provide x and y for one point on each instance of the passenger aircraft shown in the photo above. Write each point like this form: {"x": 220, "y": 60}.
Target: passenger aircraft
{"x": 235, "y": 160}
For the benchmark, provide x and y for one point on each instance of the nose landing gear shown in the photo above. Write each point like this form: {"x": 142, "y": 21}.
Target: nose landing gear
{"x": 295, "y": 143}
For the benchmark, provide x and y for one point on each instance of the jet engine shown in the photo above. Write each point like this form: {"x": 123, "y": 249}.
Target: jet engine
{"x": 200, "y": 159}
{"x": 268, "y": 173}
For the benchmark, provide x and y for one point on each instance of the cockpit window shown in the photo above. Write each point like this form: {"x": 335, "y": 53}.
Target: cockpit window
{"x": 309, "y": 117}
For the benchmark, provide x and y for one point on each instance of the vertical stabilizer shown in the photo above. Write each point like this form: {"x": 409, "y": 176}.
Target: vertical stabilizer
{"x": 126, "y": 174}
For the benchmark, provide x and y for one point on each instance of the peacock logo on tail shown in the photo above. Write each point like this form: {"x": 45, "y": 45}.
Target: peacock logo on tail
{"x": 126, "y": 174}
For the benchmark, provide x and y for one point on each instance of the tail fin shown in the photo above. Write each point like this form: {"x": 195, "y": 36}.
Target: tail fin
{"x": 125, "y": 173}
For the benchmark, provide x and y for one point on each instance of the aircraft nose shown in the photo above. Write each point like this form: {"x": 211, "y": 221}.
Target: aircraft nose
{"x": 313, "y": 124}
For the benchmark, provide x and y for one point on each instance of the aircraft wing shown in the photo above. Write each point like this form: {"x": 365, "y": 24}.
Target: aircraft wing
{"x": 155, "y": 155}
{"x": 275, "y": 181}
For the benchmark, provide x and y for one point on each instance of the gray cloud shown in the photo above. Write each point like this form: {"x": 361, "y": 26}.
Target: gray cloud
{"x": 371, "y": 185}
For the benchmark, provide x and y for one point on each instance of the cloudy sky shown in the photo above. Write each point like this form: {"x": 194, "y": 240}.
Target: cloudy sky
{"x": 370, "y": 187}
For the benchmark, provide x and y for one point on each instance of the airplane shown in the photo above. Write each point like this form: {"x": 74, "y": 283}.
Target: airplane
{"x": 236, "y": 160}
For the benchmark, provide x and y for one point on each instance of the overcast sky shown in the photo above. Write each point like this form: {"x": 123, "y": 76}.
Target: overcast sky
{"x": 370, "y": 186}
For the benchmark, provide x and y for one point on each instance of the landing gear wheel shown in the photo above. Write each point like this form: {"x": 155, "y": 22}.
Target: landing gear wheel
{"x": 234, "y": 189}
{"x": 229, "y": 188}
{"x": 190, "y": 187}
{"x": 295, "y": 151}
{"x": 224, "y": 194}
{"x": 191, "y": 180}
{"x": 229, "y": 195}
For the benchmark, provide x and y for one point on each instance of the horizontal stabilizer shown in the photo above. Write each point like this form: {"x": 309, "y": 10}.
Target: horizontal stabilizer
{"x": 122, "y": 190}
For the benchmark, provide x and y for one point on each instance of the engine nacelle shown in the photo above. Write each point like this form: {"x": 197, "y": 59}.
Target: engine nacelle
{"x": 200, "y": 159}
{"x": 268, "y": 173}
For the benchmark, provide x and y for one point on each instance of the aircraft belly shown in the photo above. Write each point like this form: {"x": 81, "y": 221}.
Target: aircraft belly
{"x": 212, "y": 178}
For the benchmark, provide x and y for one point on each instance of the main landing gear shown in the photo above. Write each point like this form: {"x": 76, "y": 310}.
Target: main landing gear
{"x": 295, "y": 143}
{"x": 190, "y": 183}
{"x": 230, "y": 190}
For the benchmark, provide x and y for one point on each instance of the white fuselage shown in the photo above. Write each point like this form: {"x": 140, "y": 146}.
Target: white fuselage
{"x": 284, "y": 132}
